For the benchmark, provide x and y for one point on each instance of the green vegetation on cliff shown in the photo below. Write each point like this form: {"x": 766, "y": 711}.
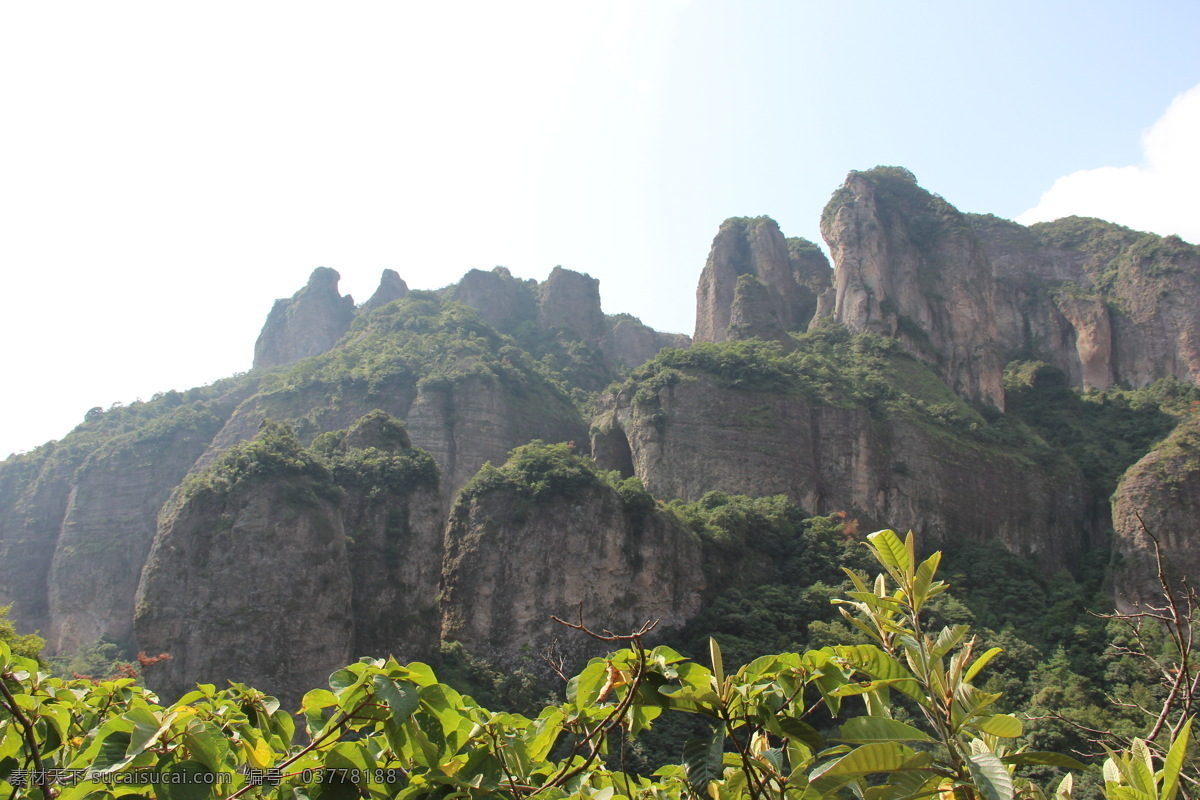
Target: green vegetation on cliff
{"x": 1103, "y": 432}
{"x": 421, "y": 343}
{"x": 833, "y": 367}
{"x": 1125, "y": 266}
{"x": 334, "y": 460}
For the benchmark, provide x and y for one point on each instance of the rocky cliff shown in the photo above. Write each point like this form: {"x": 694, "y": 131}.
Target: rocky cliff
{"x": 503, "y": 301}
{"x": 570, "y": 302}
{"x": 793, "y": 271}
{"x": 77, "y": 516}
{"x": 308, "y": 323}
{"x": 466, "y": 394}
{"x": 1106, "y": 304}
{"x": 556, "y": 542}
{"x": 391, "y": 288}
{"x": 109, "y": 522}
{"x": 909, "y": 265}
{"x": 758, "y": 423}
{"x": 1159, "y": 497}
{"x": 276, "y": 565}
{"x": 631, "y": 342}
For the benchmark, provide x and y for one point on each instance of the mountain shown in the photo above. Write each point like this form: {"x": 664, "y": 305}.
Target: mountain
{"x": 461, "y": 465}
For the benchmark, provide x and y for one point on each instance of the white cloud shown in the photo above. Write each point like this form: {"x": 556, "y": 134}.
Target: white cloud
{"x": 1159, "y": 196}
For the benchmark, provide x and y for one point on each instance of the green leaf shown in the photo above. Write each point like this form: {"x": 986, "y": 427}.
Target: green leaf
{"x": 548, "y": 726}
{"x": 877, "y": 757}
{"x": 876, "y": 663}
{"x": 1042, "y": 758}
{"x": 890, "y": 551}
{"x": 718, "y": 665}
{"x": 861, "y": 730}
{"x": 702, "y": 760}
{"x": 924, "y": 579}
{"x": 969, "y": 701}
{"x": 318, "y": 698}
{"x": 1065, "y": 787}
{"x": 402, "y": 697}
{"x": 207, "y": 746}
{"x": 774, "y": 757}
{"x": 980, "y": 663}
{"x": 1174, "y": 762}
{"x": 800, "y": 731}
{"x": 194, "y": 782}
{"x": 991, "y": 776}
{"x": 1006, "y": 726}
{"x": 147, "y": 728}
{"x": 111, "y": 753}
{"x": 1141, "y": 769}
{"x": 947, "y": 639}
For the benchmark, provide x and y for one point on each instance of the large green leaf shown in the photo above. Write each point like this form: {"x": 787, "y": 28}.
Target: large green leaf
{"x": 891, "y": 552}
{"x": 185, "y": 780}
{"x": 991, "y": 776}
{"x": 797, "y": 730}
{"x": 923, "y": 585}
{"x": 862, "y": 730}
{"x": 875, "y": 662}
{"x": 1006, "y": 726}
{"x": 980, "y": 663}
{"x": 110, "y": 755}
{"x": 702, "y": 760}
{"x": 147, "y": 728}
{"x": 402, "y": 697}
{"x": 547, "y": 726}
{"x": 1174, "y": 762}
{"x": 206, "y": 745}
{"x": 878, "y": 757}
{"x": 718, "y": 663}
{"x": 1042, "y": 758}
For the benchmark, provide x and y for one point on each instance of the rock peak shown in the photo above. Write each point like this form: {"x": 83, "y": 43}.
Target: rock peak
{"x": 570, "y": 301}
{"x": 391, "y": 288}
{"x": 909, "y": 265}
{"x": 792, "y": 272}
{"x": 307, "y": 324}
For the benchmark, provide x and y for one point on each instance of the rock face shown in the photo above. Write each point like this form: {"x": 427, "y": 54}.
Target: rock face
{"x": 570, "y": 301}
{"x": 753, "y": 314}
{"x": 502, "y": 300}
{"x": 462, "y": 423}
{"x": 1164, "y": 490}
{"x": 509, "y": 566}
{"x": 294, "y": 570}
{"x": 791, "y": 271}
{"x": 35, "y": 490}
{"x": 391, "y": 288}
{"x": 1106, "y": 304}
{"x": 108, "y": 527}
{"x": 697, "y": 436}
{"x": 307, "y": 324}
{"x": 908, "y": 265}
{"x": 263, "y": 598}
{"x": 77, "y": 516}
{"x": 629, "y": 341}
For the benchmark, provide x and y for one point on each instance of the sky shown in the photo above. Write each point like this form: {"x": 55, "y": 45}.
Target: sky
{"x": 168, "y": 170}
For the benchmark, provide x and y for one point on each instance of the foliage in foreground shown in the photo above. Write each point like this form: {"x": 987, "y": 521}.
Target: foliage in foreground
{"x": 908, "y": 721}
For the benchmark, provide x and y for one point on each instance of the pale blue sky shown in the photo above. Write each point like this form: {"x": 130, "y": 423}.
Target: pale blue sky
{"x": 167, "y": 171}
